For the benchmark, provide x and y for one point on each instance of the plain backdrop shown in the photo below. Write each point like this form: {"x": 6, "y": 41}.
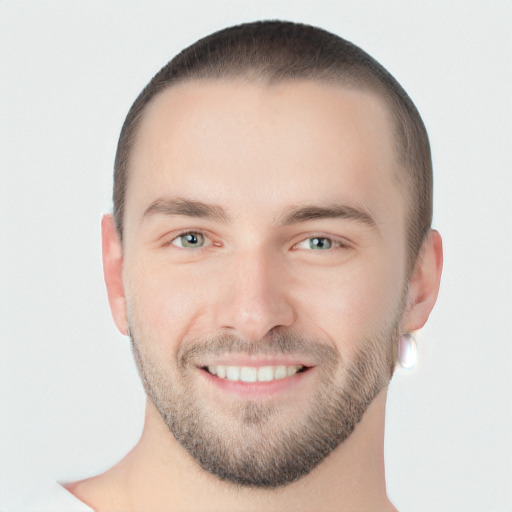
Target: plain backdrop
{"x": 70, "y": 401}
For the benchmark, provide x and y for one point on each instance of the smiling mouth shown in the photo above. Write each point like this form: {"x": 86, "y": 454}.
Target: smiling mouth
{"x": 254, "y": 374}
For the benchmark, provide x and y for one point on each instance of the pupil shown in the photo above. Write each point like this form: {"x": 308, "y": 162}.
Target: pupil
{"x": 320, "y": 243}
{"x": 191, "y": 239}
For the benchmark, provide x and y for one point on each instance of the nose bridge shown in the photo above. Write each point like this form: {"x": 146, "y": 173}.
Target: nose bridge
{"x": 255, "y": 299}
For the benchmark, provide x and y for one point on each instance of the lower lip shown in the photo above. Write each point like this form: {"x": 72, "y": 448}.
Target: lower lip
{"x": 257, "y": 389}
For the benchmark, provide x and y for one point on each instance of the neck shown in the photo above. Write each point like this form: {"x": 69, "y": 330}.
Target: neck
{"x": 159, "y": 475}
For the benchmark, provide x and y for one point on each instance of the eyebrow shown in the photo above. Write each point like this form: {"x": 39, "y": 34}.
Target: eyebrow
{"x": 187, "y": 207}
{"x": 305, "y": 213}
{"x": 294, "y": 215}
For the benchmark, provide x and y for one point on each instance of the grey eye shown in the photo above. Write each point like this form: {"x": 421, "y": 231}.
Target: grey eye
{"x": 190, "y": 240}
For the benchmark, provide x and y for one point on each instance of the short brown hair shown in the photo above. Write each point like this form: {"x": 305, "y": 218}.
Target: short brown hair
{"x": 275, "y": 51}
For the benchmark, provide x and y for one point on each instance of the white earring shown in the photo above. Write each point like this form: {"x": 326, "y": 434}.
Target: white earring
{"x": 407, "y": 352}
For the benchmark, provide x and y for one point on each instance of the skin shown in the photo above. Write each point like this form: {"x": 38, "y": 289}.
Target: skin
{"x": 258, "y": 152}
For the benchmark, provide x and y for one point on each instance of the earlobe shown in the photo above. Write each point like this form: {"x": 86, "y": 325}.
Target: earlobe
{"x": 113, "y": 272}
{"x": 424, "y": 283}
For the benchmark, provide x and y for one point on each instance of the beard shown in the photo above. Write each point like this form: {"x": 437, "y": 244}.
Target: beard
{"x": 254, "y": 443}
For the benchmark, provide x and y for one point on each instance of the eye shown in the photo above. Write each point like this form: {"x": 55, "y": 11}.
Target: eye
{"x": 318, "y": 243}
{"x": 190, "y": 240}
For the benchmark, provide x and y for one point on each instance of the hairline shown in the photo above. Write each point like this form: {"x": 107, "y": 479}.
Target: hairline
{"x": 276, "y": 51}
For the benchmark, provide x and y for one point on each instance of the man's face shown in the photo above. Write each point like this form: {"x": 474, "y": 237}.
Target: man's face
{"x": 264, "y": 269}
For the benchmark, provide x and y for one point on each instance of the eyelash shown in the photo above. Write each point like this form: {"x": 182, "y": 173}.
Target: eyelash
{"x": 191, "y": 232}
{"x": 336, "y": 243}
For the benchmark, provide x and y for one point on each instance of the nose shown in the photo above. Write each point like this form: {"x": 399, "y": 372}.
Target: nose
{"x": 256, "y": 297}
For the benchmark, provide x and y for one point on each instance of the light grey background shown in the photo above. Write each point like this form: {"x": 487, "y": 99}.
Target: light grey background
{"x": 70, "y": 401}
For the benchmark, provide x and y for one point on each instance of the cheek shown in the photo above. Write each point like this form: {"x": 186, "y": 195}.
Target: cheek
{"x": 354, "y": 303}
{"x": 164, "y": 303}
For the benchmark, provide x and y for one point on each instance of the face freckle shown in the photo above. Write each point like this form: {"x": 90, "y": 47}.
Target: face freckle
{"x": 290, "y": 190}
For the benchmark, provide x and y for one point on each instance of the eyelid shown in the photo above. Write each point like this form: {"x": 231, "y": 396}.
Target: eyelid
{"x": 174, "y": 236}
{"x": 337, "y": 242}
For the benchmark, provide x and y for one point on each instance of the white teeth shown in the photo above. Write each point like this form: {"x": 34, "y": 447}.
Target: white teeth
{"x": 280, "y": 372}
{"x": 266, "y": 373}
{"x": 253, "y": 374}
{"x": 292, "y": 370}
{"x": 248, "y": 374}
{"x": 233, "y": 373}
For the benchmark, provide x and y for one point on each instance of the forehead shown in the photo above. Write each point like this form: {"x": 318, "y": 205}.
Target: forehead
{"x": 245, "y": 144}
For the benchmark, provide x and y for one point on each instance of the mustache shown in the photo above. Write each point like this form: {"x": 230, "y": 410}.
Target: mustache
{"x": 275, "y": 343}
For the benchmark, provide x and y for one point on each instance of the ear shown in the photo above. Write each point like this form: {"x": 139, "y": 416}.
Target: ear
{"x": 112, "y": 252}
{"x": 424, "y": 283}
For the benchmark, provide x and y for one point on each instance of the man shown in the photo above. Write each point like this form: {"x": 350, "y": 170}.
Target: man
{"x": 270, "y": 245}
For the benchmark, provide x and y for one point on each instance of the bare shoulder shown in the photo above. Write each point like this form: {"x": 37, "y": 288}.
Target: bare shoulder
{"x": 88, "y": 491}
{"x": 101, "y": 492}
